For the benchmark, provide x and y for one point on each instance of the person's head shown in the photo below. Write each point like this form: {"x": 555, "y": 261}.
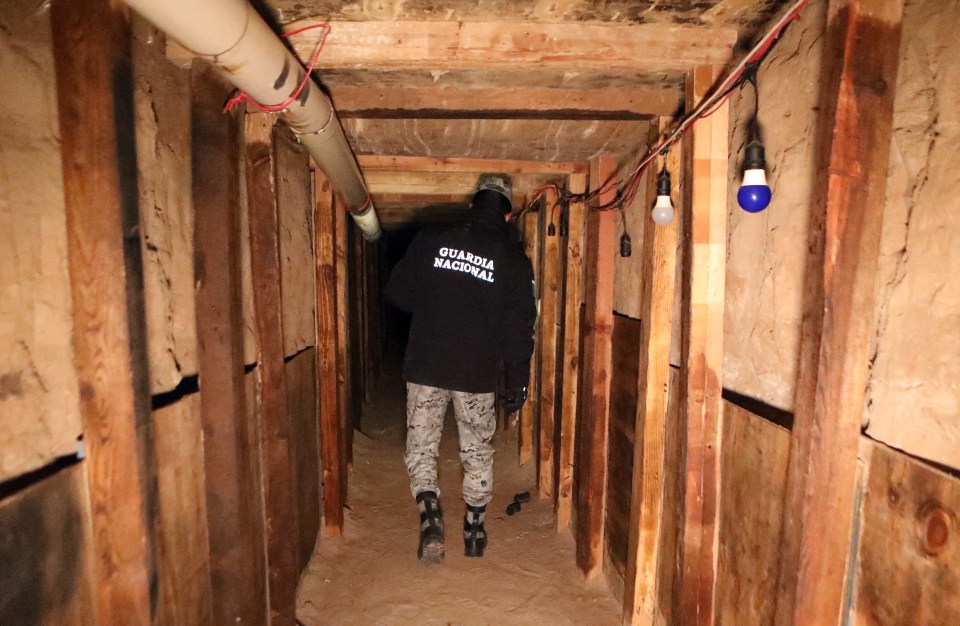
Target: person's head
{"x": 494, "y": 190}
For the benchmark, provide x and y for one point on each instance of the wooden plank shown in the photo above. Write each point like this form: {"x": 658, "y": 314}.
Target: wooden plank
{"x": 755, "y": 457}
{"x": 300, "y": 372}
{"x": 573, "y": 299}
{"x": 621, "y": 443}
{"x": 505, "y": 102}
{"x": 331, "y": 446}
{"x": 671, "y": 543}
{"x": 349, "y": 419}
{"x": 702, "y": 349}
{"x": 387, "y": 163}
{"x": 529, "y": 413}
{"x": 551, "y": 293}
{"x": 95, "y": 96}
{"x": 443, "y": 183}
{"x": 591, "y": 477}
{"x": 185, "y": 593}
{"x": 575, "y": 47}
{"x": 47, "y": 551}
{"x": 908, "y": 554}
{"x": 837, "y": 328}
{"x": 279, "y": 494}
{"x": 234, "y": 488}
{"x": 659, "y": 250}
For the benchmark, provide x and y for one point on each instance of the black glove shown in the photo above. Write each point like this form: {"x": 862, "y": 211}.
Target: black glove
{"x": 513, "y": 399}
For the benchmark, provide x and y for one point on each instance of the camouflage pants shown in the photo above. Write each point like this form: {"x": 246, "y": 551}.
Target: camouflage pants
{"x": 476, "y": 422}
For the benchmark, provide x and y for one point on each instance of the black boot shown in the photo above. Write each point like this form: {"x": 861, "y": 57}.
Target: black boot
{"x": 431, "y": 528}
{"x": 474, "y": 535}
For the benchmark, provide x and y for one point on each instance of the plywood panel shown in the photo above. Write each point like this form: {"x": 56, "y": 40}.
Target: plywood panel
{"x": 295, "y": 208}
{"x": 39, "y": 412}
{"x": 754, "y": 469}
{"x": 623, "y": 415}
{"x": 182, "y": 543}
{"x": 538, "y": 140}
{"x": 45, "y": 553}
{"x": 300, "y": 372}
{"x": 909, "y": 566}
{"x": 162, "y": 101}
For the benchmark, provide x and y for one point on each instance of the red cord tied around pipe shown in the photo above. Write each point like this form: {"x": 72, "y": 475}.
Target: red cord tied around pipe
{"x": 242, "y": 96}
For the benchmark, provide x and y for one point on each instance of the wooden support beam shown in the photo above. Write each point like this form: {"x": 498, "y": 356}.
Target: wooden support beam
{"x": 570, "y": 359}
{"x": 331, "y": 437}
{"x": 551, "y": 293}
{"x": 591, "y": 476}
{"x": 863, "y": 38}
{"x": 529, "y": 413}
{"x": 234, "y": 488}
{"x": 575, "y": 47}
{"x": 91, "y": 45}
{"x": 349, "y": 419}
{"x": 386, "y": 163}
{"x": 443, "y": 183}
{"x": 659, "y": 251}
{"x": 702, "y": 350}
{"x": 505, "y": 103}
{"x": 279, "y": 494}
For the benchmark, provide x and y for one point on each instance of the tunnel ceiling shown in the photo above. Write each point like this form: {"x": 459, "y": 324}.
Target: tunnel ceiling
{"x": 529, "y": 80}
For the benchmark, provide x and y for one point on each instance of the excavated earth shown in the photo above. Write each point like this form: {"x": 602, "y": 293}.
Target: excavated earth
{"x": 372, "y": 576}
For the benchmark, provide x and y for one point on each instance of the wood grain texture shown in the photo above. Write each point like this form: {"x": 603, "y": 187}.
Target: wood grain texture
{"x": 349, "y": 418}
{"x": 95, "y": 91}
{"x": 754, "y": 457}
{"x": 659, "y": 249}
{"x": 331, "y": 447}
{"x": 530, "y": 412}
{"x": 301, "y": 376}
{"x": 570, "y": 358}
{"x": 279, "y": 495}
{"x": 838, "y": 328}
{"x": 393, "y": 45}
{"x": 702, "y": 349}
{"x": 591, "y": 478}
{"x": 622, "y": 441}
{"x": 371, "y": 162}
{"x": 505, "y": 103}
{"x": 231, "y": 456}
{"x": 551, "y": 294}
{"x": 47, "y": 553}
{"x": 908, "y": 554}
{"x": 185, "y": 594}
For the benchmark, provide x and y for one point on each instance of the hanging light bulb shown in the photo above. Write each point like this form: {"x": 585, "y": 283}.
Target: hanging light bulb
{"x": 662, "y": 213}
{"x": 754, "y": 194}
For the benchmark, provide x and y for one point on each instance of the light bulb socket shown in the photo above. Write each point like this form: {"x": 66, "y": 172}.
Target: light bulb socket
{"x": 663, "y": 183}
{"x": 755, "y": 158}
{"x": 626, "y": 249}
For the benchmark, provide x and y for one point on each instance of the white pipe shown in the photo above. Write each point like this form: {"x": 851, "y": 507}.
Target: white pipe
{"x": 236, "y": 40}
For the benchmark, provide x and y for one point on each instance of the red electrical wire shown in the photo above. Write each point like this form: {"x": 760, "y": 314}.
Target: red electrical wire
{"x": 241, "y": 96}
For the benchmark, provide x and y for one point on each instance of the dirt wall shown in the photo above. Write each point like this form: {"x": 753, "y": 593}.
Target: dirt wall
{"x": 913, "y": 400}
{"x": 39, "y": 412}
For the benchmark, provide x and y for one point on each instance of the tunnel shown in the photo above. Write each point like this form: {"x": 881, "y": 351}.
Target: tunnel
{"x": 740, "y": 219}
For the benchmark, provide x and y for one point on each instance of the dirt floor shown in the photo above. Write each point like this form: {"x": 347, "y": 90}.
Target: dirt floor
{"x": 372, "y": 576}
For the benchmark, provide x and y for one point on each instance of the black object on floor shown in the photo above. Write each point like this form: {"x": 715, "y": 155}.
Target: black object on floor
{"x": 518, "y": 499}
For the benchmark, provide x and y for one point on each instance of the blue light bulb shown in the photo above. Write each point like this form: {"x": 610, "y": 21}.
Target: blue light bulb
{"x": 754, "y": 194}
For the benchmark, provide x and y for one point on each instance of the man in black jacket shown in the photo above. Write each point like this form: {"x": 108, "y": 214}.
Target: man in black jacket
{"x": 470, "y": 292}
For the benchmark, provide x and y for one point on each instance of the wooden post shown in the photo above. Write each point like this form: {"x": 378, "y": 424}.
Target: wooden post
{"x": 550, "y": 294}
{"x": 234, "y": 491}
{"x": 281, "y": 519}
{"x": 345, "y": 382}
{"x": 702, "y": 350}
{"x": 527, "y": 433}
{"x": 570, "y": 359}
{"x": 591, "y": 476}
{"x": 331, "y": 427}
{"x": 656, "y": 308}
{"x": 91, "y": 43}
{"x": 837, "y": 329}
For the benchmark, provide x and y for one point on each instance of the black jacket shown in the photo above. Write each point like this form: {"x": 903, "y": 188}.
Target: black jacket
{"x": 470, "y": 290}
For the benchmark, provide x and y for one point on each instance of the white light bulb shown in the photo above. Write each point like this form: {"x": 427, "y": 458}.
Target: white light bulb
{"x": 662, "y": 211}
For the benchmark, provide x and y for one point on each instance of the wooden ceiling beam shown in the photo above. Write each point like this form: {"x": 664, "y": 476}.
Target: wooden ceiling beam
{"x": 515, "y": 102}
{"x": 385, "y": 163}
{"x": 394, "y": 45}
{"x": 455, "y": 184}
